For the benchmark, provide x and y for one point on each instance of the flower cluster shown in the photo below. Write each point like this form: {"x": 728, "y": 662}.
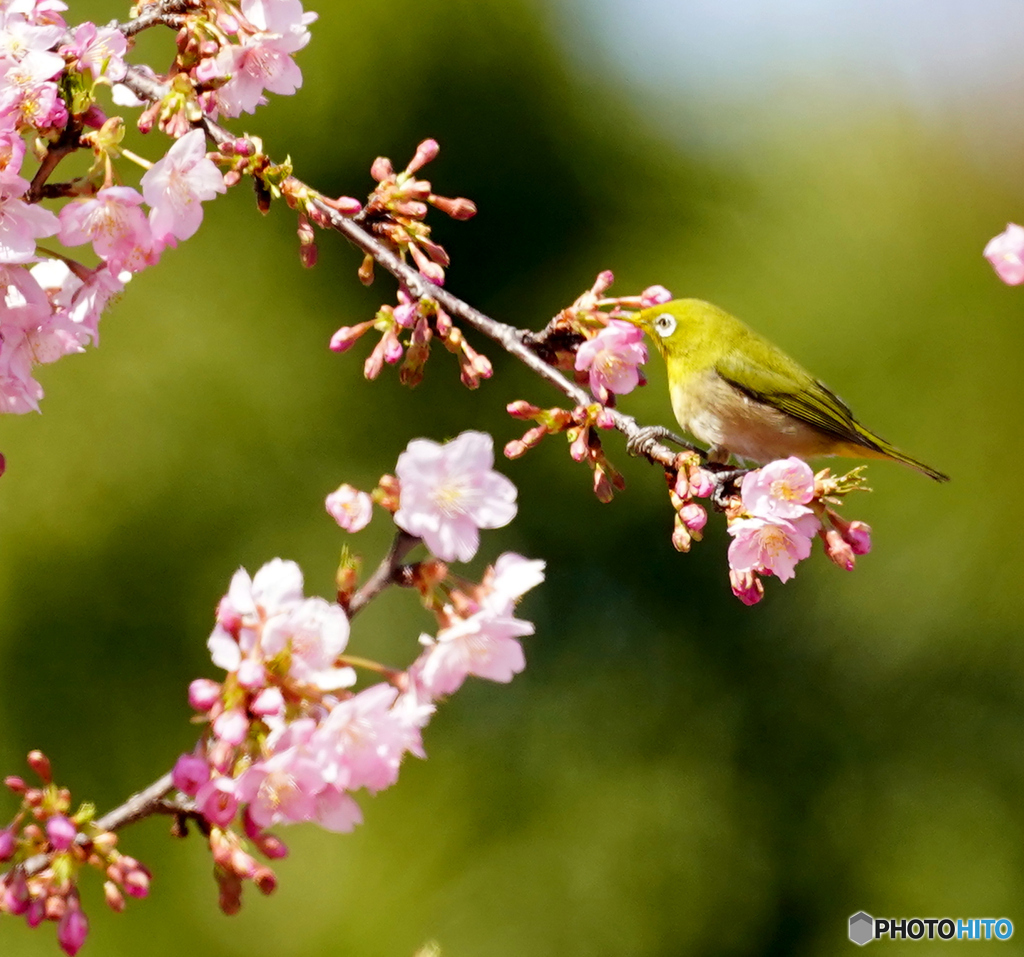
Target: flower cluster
{"x": 288, "y": 736}
{"x": 395, "y": 212}
{"x": 773, "y": 522}
{"x": 1006, "y": 254}
{"x": 46, "y": 846}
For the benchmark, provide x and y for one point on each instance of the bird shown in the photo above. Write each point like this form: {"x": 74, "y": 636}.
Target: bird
{"x": 740, "y": 394}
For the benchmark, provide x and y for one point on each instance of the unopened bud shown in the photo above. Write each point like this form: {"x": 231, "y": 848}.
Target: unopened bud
{"x": 15, "y": 783}
{"x": 521, "y": 409}
{"x": 694, "y": 516}
{"x": 40, "y": 763}
{"x": 230, "y": 896}
{"x": 602, "y": 487}
{"x": 113, "y": 896}
{"x": 425, "y": 152}
{"x": 837, "y": 549}
{"x": 746, "y": 586}
{"x": 654, "y": 296}
{"x": 457, "y": 208}
{"x": 603, "y": 281}
{"x": 232, "y": 177}
{"x": 413, "y": 209}
{"x": 366, "y": 270}
{"x": 381, "y": 169}
{"x": 265, "y": 879}
{"x": 681, "y": 537}
{"x": 442, "y": 322}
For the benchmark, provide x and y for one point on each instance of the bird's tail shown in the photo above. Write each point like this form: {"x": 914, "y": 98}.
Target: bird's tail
{"x": 869, "y": 442}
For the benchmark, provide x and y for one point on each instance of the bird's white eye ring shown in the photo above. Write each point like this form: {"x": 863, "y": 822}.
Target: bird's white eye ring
{"x": 665, "y": 324}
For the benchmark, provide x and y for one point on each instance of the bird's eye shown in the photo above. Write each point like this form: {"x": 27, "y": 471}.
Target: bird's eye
{"x": 665, "y": 324}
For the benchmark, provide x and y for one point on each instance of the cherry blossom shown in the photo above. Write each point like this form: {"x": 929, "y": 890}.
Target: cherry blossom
{"x": 771, "y": 546}
{"x": 21, "y": 223}
{"x": 449, "y": 492}
{"x": 780, "y": 489}
{"x": 114, "y": 223}
{"x": 176, "y": 186}
{"x": 1006, "y": 254}
{"x": 350, "y": 508}
{"x": 612, "y": 358}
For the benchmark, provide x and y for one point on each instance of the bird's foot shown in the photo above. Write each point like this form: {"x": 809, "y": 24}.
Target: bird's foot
{"x": 727, "y": 481}
{"x": 646, "y": 438}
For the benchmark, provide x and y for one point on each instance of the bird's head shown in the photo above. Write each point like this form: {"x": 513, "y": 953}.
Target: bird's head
{"x": 666, "y": 324}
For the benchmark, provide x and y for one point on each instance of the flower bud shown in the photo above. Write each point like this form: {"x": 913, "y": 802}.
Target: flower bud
{"x": 265, "y": 879}
{"x": 381, "y": 169}
{"x": 113, "y": 896}
{"x": 190, "y": 773}
{"x": 60, "y": 832}
{"x": 837, "y": 549}
{"x": 654, "y": 296}
{"x": 7, "y": 844}
{"x": 681, "y": 537}
{"x": 693, "y": 516}
{"x": 40, "y": 763}
{"x": 365, "y": 273}
{"x": 72, "y": 929}
{"x": 425, "y": 152}
{"x": 203, "y": 694}
{"x": 459, "y": 208}
{"x": 746, "y": 586}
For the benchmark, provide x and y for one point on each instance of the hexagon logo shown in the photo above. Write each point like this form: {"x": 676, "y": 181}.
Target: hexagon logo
{"x": 862, "y": 928}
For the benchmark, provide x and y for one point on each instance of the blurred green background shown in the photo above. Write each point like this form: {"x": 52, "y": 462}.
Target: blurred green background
{"x": 674, "y": 773}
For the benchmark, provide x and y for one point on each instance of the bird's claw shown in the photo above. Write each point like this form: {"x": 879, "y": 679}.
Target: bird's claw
{"x": 643, "y": 442}
{"x": 726, "y": 479}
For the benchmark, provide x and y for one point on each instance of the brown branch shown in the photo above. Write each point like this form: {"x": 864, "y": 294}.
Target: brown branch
{"x": 388, "y": 573}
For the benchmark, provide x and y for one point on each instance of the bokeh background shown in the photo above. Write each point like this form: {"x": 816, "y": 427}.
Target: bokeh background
{"x": 674, "y": 773}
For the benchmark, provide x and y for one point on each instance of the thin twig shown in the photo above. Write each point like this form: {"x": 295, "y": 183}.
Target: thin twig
{"x": 386, "y": 573}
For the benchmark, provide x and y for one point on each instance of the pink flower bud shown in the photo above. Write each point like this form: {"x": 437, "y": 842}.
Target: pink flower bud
{"x": 7, "y": 844}
{"x": 381, "y": 169}
{"x": 681, "y": 537}
{"x": 746, "y": 586}
{"x": 837, "y": 549}
{"x": 72, "y": 929}
{"x": 459, "y": 208}
{"x": 347, "y": 206}
{"x": 14, "y": 895}
{"x": 346, "y": 337}
{"x": 190, "y": 773}
{"x": 217, "y": 802}
{"x": 137, "y": 880}
{"x": 268, "y": 702}
{"x": 858, "y": 536}
{"x": 265, "y": 879}
{"x": 425, "y": 152}
{"x": 654, "y": 296}
{"x": 36, "y": 912}
{"x": 231, "y": 726}
{"x": 15, "y": 784}
{"x": 405, "y": 314}
{"x": 40, "y": 763}
{"x": 702, "y": 483}
{"x": 251, "y": 674}
{"x": 228, "y": 617}
{"x": 203, "y": 694}
{"x": 694, "y": 516}
{"x": 113, "y": 896}
{"x": 603, "y": 281}
{"x": 60, "y": 832}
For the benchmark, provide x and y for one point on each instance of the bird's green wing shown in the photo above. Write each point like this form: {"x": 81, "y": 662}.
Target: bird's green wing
{"x": 790, "y": 388}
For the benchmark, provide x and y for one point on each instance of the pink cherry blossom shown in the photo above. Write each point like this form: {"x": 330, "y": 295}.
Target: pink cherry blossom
{"x": 90, "y": 299}
{"x": 350, "y": 508}
{"x": 21, "y": 223}
{"x": 283, "y": 787}
{"x": 203, "y": 694}
{"x": 262, "y": 60}
{"x": 450, "y": 491}
{"x": 114, "y": 223}
{"x": 336, "y": 810}
{"x": 771, "y": 547}
{"x": 1006, "y": 254}
{"x": 313, "y": 633}
{"x": 511, "y": 577}
{"x": 99, "y": 50}
{"x": 484, "y": 644}
{"x": 190, "y": 773}
{"x": 231, "y": 726}
{"x": 780, "y": 489}
{"x": 177, "y": 185}
{"x": 217, "y": 801}
{"x": 612, "y": 358}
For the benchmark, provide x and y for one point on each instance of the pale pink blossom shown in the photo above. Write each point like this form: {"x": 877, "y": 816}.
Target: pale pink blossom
{"x": 217, "y": 801}
{"x": 780, "y": 489}
{"x": 693, "y": 516}
{"x": 29, "y": 43}
{"x": 21, "y": 223}
{"x": 12, "y": 148}
{"x": 449, "y": 492}
{"x": 337, "y": 811}
{"x": 350, "y": 508}
{"x": 269, "y": 703}
{"x": 1006, "y": 254}
{"x": 262, "y": 60}
{"x": 362, "y": 740}
{"x": 771, "y": 546}
{"x": 113, "y": 221}
{"x": 89, "y": 300}
{"x": 484, "y": 644}
{"x": 177, "y": 185}
{"x": 612, "y": 358}
{"x": 100, "y": 50}
{"x": 313, "y": 634}
{"x": 283, "y": 787}
{"x": 511, "y": 577}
